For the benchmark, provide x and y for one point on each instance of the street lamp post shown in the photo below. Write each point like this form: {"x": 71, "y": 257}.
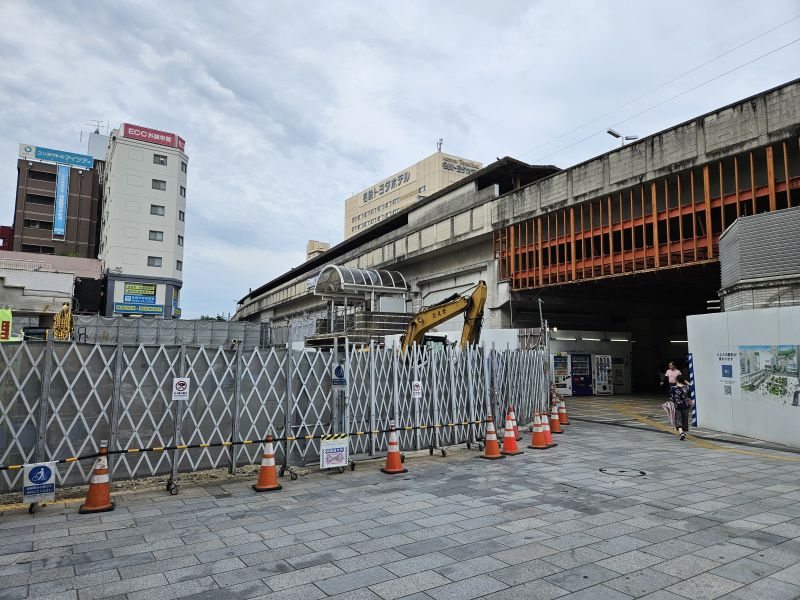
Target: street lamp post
{"x": 620, "y": 137}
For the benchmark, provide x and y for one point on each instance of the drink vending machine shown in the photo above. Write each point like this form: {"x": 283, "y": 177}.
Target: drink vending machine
{"x": 560, "y": 366}
{"x": 603, "y": 375}
{"x": 581, "y": 374}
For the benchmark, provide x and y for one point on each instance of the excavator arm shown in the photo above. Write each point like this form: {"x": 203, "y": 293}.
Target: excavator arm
{"x": 431, "y": 316}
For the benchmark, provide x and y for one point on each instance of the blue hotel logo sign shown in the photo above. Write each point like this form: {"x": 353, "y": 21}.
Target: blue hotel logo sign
{"x": 80, "y": 161}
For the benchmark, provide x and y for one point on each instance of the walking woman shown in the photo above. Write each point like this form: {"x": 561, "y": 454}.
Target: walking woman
{"x": 681, "y": 398}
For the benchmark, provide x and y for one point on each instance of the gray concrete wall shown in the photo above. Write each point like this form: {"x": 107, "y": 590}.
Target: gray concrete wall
{"x": 767, "y": 117}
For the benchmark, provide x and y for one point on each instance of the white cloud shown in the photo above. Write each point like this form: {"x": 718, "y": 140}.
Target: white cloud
{"x": 288, "y": 110}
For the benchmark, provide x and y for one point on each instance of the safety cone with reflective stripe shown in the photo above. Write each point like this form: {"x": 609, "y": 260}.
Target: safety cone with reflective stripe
{"x": 267, "y": 477}
{"x": 509, "y": 439}
{"x": 537, "y": 439}
{"x": 511, "y": 414}
{"x": 394, "y": 463}
{"x": 492, "y": 448}
{"x": 548, "y": 438}
{"x": 563, "y": 419}
{"x": 98, "y": 498}
{"x": 555, "y": 422}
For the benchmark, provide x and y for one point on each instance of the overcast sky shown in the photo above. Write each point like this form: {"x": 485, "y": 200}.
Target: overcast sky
{"x": 288, "y": 108}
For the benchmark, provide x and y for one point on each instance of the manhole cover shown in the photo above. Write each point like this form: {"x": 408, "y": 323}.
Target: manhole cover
{"x": 623, "y": 472}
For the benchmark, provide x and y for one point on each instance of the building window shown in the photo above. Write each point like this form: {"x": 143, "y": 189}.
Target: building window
{"x": 157, "y": 209}
{"x": 159, "y": 184}
{"x": 179, "y": 265}
{"x": 183, "y": 166}
{"x": 180, "y": 240}
{"x": 38, "y": 224}
{"x": 38, "y": 249}
{"x": 183, "y": 191}
{"x": 41, "y": 175}
{"x": 39, "y": 199}
{"x": 424, "y": 188}
{"x": 153, "y": 261}
{"x": 156, "y": 236}
{"x": 159, "y": 159}
{"x": 181, "y": 215}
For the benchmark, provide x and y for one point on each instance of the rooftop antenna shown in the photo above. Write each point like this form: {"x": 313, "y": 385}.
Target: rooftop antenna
{"x": 439, "y": 145}
{"x": 97, "y": 127}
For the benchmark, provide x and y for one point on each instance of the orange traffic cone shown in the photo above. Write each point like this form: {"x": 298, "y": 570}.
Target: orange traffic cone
{"x": 492, "y": 448}
{"x": 509, "y": 439}
{"x": 563, "y": 419}
{"x": 394, "y": 463}
{"x": 267, "y": 477}
{"x": 511, "y": 414}
{"x": 555, "y": 422}
{"x": 548, "y": 438}
{"x": 98, "y": 498}
{"x": 537, "y": 439}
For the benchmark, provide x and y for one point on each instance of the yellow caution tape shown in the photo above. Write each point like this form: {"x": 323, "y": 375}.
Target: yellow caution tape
{"x": 133, "y": 449}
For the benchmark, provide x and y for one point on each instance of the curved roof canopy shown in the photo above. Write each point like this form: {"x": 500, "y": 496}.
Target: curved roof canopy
{"x": 334, "y": 280}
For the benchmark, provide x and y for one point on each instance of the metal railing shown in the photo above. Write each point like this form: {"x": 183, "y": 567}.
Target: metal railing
{"x": 59, "y": 400}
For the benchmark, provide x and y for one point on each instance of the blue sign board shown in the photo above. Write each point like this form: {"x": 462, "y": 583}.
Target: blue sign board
{"x": 139, "y": 299}
{"x": 82, "y": 161}
{"x": 62, "y": 195}
{"x": 125, "y": 308}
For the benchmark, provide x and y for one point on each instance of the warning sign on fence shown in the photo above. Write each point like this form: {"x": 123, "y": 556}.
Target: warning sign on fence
{"x": 39, "y": 483}
{"x": 416, "y": 389}
{"x": 333, "y": 453}
{"x": 180, "y": 389}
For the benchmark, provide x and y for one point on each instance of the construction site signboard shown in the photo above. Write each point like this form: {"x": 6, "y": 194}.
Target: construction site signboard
{"x": 39, "y": 484}
{"x": 180, "y": 389}
{"x": 333, "y": 452}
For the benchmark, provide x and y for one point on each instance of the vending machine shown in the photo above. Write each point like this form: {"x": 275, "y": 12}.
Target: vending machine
{"x": 581, "y": 371}
{"x": 560, "y": 366}
{"x": 603, "y": 372}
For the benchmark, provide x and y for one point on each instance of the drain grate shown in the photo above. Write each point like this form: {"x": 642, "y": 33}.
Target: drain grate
{"x": 622, "y": 472}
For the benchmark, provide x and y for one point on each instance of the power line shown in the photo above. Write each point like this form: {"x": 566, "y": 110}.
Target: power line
{"x": 663, "y": 85}
{"x": 691, "y": 89}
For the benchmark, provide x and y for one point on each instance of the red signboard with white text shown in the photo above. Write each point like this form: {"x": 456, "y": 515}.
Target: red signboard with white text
{"x": 154, "y": 136}
{"x": 181, "y": 143}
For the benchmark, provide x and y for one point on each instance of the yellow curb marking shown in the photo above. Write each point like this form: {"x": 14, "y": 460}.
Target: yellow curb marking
{"x": 697, "y": 441}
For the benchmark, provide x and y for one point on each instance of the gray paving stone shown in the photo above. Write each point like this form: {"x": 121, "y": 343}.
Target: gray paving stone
{"x": 782, "y": 555}
{"x": 424, "y": 547}
{"x": 381, "y": 558}
{"x": 672, "y": 548}
{"x": 581, "y": 577}
{"x": 570, "y": 541}
{"x": 598, "y": 592}
{"x": 359, "y": 594}
{"x": 688, "y": 565}
{"x": 232, "y": 577}
{"x": 199, "y": 570}
{"x": 705, "y": 585}
{"x": 126, "y": 586}
{"x": 230, "y": 551}
{"x": 352, "y": 581}
{"x": 619, "y": 545}
{"x": 424, "y": 562}
{"x": 523, "y": 572}
{"x": 393, "y": 529}
{"x": 745, "y": 570}
{"x": 301, "y": 576}
{"x": 14, "y": 593}
{"x": 640, "y": 583}
{"x": 769, "y": 587}
{"x": 175, "y": 590}
{"x": 629, "y": 562}
{"x": 403, "y": 587}
{"x": 533, "y": 590}
{"x": 148, "y": 567}
{"x": 725, "y": 552}
{"x": 789, "y": 575}
{"x": 467, "y": 589}
{"x": 471, "y": 567}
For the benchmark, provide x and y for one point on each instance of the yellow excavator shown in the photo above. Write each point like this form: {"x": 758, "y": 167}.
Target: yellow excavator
{"x": 471, "y": 304}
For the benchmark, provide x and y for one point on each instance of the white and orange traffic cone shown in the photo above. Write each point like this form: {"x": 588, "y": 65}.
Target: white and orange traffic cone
{"x": 492, "y": 448}
{"x": 548, "y": 438}
{"x": 510, "y": 447}
{"x": 267, "y": 477}
{"x": 555, "y": 422}
{"x": 511, "y": 414}
{"x": 563, "y": 419}
{"x": 394, "y": 462}
{"x": 98, "y": 498}
{"x": 537, "y": 439}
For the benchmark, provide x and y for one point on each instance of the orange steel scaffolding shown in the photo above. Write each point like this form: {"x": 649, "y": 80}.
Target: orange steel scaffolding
{"x": 669, "y": 222}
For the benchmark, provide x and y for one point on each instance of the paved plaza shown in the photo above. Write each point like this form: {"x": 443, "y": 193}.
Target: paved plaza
{"x": 611, "y": 513}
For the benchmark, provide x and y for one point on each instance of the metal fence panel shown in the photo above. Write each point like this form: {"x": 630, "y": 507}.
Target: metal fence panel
{"x": 123, "y": 394}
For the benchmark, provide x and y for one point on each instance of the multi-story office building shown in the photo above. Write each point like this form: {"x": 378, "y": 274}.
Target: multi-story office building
{"x": 394, "y": 193}
{"x": 144, "y": 214}
{"x": 57, "y": 203}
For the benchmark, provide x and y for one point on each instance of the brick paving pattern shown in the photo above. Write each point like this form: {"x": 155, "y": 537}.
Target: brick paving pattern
{"x": 704, "y": 522}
